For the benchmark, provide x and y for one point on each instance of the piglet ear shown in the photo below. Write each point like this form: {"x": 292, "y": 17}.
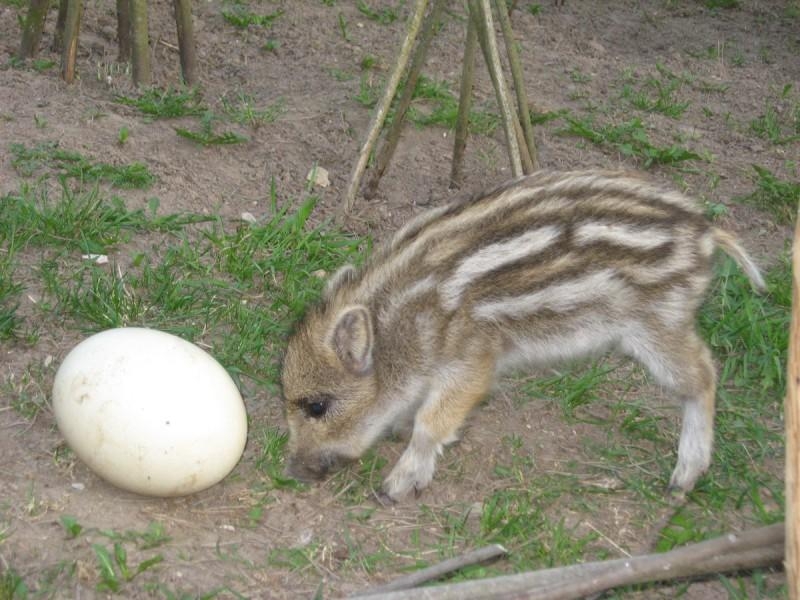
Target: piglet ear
{"x": 352, "y": 340}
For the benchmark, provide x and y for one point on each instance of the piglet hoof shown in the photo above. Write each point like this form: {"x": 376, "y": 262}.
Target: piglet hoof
{"x": 384, "y": 499}
{"x": 675, "y": 495}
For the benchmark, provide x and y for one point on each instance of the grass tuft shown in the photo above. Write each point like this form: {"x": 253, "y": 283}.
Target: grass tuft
{"x": 777, "y": 197}
{"x": 237, "y": 288}
{"x": 166, "y": 104}
{"x": 206, "y": 136}
{"x": 65, "y": 163}
{"x": 629, "y": 139}
{"x": 242, "y": 18}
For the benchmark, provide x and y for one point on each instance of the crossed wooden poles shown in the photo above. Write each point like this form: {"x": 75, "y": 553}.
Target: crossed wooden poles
{"x": 132, "y": 32}
{"x": 480, "y": 31}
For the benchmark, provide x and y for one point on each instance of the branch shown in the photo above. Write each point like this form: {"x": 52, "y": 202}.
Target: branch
{"x": 519, "y": 83}
{"x": 393, "y": 135}
{"x": 383, "y": 108}
{"x": 439, "y": 570}
{"x": 464, "y": 103}
{"x": 732, "y": 552}
{"x": 481, "y": 11}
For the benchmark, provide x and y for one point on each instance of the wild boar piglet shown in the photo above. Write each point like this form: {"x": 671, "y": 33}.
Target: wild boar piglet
{"x": 547, "y": 268}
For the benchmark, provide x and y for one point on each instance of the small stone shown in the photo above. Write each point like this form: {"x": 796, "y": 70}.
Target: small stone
{"x": 318, "y": 176}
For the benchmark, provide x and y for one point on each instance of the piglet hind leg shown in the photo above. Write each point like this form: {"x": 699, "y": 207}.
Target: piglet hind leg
{"x": 681, "y": 362}
{"x": 457, "y": 389}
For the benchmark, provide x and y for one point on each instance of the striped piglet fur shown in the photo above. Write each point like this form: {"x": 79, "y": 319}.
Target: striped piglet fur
{"x": 544, "y": 269}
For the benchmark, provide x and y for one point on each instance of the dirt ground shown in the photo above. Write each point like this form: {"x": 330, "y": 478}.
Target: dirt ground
{"x": 573, "y": 54}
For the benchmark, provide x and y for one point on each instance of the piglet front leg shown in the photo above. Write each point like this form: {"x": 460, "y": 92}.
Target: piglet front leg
{"x": 456, "y": 389}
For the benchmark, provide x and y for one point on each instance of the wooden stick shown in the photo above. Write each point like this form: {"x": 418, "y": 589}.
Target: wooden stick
{"x": 792, "y": 416}
{"x": 383, "y": 108}
{"x": 32, "y": 28}
{"x": 417, "y": 62}
{"x": 142, "y": 74}
{"x": 439, "y": 570}
{"x": 72, "y": 25}
{"x": 124, "y": 44}
{"x": 186, "y": 42}
{"x": 519, "y": 82}
{"x": 58, "y": 32}
{"x": 509, "y": 118}
{"x": 464, "y": 103}
{"x": 732, "y": 552}
{"x": 482, "y": 13}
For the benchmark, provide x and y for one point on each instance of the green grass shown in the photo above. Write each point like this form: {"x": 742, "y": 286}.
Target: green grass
{"x": 12, "y": 586}
{"x": 780, "y": 121}
{"x": 242, "y": 18}
{"x": 727, "y": 4}
{"x": 47, "y": 156}
{"x": 384, "y": 16}
{"x": 657, "y": 94}
{"x": 77, "y": 221}
{"x": 245, "y": 111}
{"x": 270, "y": 460}
{"x": 206, "y": 136}
{"x": 777, "y": 197}
{"x": 237, "y": 287}
{"x": 433, "y": 104}
{"x": 630, "y": 139}
{"x": 10, "y": 322}
{"x": 170, "y": 103}
{"x": 114, "y": 569}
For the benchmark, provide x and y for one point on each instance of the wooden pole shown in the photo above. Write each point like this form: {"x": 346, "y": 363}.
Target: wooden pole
{"x": 141, "y": 43}
{"x": 383, "y": 108}
{"x": 32, "y": 28}
{"x": 792, "y": 417}
{"x": 124, "y": 43}
{"x": 464, "y": 103}
{"x": 481, "y": 11}
{"x": 61, "y": 22}
{"x": 384, "y": 155}
{"x": 72, "y": 24}
{"x": 519, "y": 82}
{"x": 186, "y": 41}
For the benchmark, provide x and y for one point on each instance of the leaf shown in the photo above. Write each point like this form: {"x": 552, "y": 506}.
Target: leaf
{"x": 107, "y": 572}
{"x": 71, "y": 526}
{"x": 150, "y": 562}
{"x": 121, "y": 556}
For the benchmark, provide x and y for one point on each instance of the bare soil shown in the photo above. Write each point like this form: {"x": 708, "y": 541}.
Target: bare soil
{"x": 573, "y": 54}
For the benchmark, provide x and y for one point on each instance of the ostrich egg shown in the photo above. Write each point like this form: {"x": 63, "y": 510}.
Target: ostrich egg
{"x": 149, "y": 412}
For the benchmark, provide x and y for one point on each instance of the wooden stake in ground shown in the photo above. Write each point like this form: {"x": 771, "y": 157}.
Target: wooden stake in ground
{"x": 186, "y": 44}
{"x": 464, "y": 103}
{"x": 792, "y": 416}
{"x": 393, "y": 136}
{"x": 383, "y": 108}
{"x": 481, "y": 11}
{"x": 519, "y": 82}
{"x": 32, "y": 28}
{"x": 141, "y": 43}
{"x": 61, "y": 20}
{"x": 124, "y": 43}
{"x": 72, "y": 24}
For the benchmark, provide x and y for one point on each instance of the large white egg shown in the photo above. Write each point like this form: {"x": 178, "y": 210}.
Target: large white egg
{"x": 149, "y": 411}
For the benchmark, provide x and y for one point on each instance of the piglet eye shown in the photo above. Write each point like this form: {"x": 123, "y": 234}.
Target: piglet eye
{"x": 316, "y": 406}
